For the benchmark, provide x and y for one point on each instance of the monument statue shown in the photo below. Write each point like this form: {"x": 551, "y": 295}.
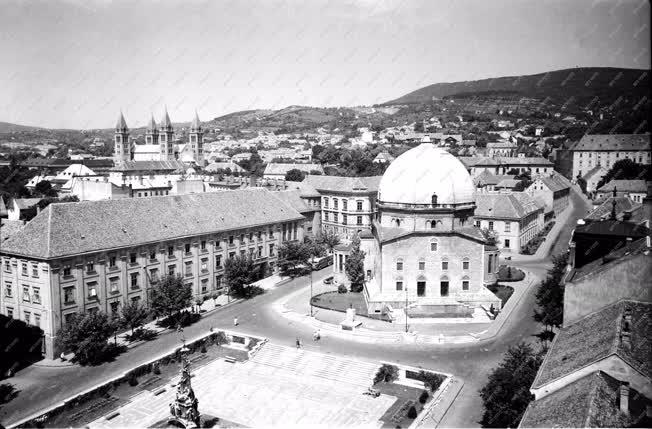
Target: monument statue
{"x": 184, "y": 408}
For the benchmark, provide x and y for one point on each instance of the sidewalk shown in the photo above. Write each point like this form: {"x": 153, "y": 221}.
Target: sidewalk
{"x": 295, "y": 307}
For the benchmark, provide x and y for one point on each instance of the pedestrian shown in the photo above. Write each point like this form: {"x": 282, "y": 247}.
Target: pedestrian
{"x": 298, "y": 343}
{"x": 63, "y": 357}
{"x": 235, "y": 321}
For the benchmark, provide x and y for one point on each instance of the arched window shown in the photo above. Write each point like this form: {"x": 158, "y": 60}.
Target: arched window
{"x": 433, "y": 224}
{"x": 433, "y": 245}
{"x": 434, "y": 199}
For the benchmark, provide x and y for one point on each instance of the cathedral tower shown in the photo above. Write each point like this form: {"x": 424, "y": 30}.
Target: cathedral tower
{"x": 196, "y": 140}
{"x": 166, "y": 138}
{"x": 122, "y": 151}
{"x": 151, "y": 135}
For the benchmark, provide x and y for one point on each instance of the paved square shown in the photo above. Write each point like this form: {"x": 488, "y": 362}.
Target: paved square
{"x": 280, "y": 386}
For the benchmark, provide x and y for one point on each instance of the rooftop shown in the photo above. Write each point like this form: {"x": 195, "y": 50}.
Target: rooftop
{"x": 149, "y": 165}
{"x": 596, "y": 337}
{"x": 638, "y": 186}
{"x": 516, "y": 205}
{"x": 613, "y": 142}
{"x": 282, "y": 169}
{"x": 64, "y": 229}
{"x": 293, "y": 199}
{"x": 343, "y": 184}
{"x": 623, "y": 204}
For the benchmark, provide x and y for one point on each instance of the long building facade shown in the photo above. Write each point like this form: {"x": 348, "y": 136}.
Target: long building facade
{"x": 100, "y": 255}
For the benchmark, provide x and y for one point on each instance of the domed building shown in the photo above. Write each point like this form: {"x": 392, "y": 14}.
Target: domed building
{"x": 423, "y": 248}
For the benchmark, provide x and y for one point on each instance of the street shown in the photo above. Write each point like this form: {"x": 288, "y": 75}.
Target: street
{"x": 42, "y": 386}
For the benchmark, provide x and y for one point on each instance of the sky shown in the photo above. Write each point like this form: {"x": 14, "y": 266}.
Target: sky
{"x": 77, "y": 63}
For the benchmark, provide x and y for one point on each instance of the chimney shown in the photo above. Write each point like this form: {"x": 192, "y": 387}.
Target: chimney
{"x": 571, "y": 255}
{"x": 624, "y": 398}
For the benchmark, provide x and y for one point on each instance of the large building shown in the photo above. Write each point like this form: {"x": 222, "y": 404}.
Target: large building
{"x": 554, "y": 190}
{"x": 161, "y": 137}
{"x": 423, "y": 248}
{"x": 606, "y": 149}
{"x": 100, "y": 255}
{"x": 514, "y": 218}
{"x": 348, "y": 204}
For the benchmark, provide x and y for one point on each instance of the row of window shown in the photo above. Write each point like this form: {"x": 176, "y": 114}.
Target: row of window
{"x": 422, "y": 264}
{"x": 443, "y": 285}
{"x": 345, "y": 204}
{"x": 25, "y": 270}
{"x": 27, "y": 317}
{"x": 31, "y": 294}
{"x": 358, "y": 219}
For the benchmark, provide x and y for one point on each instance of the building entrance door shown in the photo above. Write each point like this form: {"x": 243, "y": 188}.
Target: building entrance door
{"x": 444, "y": 289}
{"x": 421, "y": 288}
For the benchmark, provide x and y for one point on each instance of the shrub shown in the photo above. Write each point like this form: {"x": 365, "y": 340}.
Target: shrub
{"x": 356, "y": 288}
{"x": 341, "y": 289}
{"x": 142, "y": 334}
{"x": 220, "y": 338}
{"x": 386, "y": 373}
{"x": 133, "y": 380}
{"x": 184, "y": 318}
{"x": 412, "y": 412}
{"x": 424, "y": 397}
{"x": 431, "y": 380}
{"x": 203, "y": 348}
{"x": 156, "y": 370}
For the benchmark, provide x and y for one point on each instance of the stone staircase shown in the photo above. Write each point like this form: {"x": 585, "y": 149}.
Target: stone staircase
{"x": 301, "y": 362}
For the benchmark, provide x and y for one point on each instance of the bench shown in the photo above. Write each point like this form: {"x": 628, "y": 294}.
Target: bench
{"x": 230, "y": 359}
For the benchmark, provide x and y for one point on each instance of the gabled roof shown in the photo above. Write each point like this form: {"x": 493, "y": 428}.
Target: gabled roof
{"x": 149, "y": 165}
{"x": 515, "y": 205}
{"x": 64, "y": 229}
{"x": 596, "y": 337}
{"x": 344, "y": 184}
{"x": 613, "y": 142}
{"x": 638, "y": 186}
{"x": 555, "y": 182}
{"x": 591, "y": 401}
{"x": 282, "y": 169}
{"x": 623, "y": 204}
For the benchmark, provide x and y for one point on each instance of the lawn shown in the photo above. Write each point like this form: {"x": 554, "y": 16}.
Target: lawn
{"x": 510, "y": 274}
{"x": 341, "y": 302}
{"x": 406, "y": 396}
{"x": 501, "y": 291}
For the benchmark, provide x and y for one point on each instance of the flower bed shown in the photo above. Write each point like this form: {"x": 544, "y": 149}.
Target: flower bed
{"x": 341, "y": 302}
{"x": 501, "y": 291}
{"x": 507, "y": 273}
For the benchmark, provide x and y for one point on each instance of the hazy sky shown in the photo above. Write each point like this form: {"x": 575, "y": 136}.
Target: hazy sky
{"x": 76, "y": 63}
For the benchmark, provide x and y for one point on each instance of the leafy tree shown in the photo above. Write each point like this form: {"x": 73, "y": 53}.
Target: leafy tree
{"x": 550, "y": 295}
{"x": 133, "y": 315}
{"x": 507, "y": 392}
{"x": 328, "y": 238}
{"x": 239, "y": 273}
{"x": 625, "y": 169}
{"x": 44, "y": 188}
{"x": 295, "y": 175}
{"x": 386, "y": 373}
{"x": 490, "y": 237}
{"x": 582, "y": 184}
{"x": 294, "y": 258}
{"x": 170, "y": 296}
{"x": 86, "y": 336}
{"x": 354, "y": 266}
{"x": 522, "y": 185}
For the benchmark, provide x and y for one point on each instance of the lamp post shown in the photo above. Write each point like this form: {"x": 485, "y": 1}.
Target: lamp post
{"x": 311, "y": 292}
{"x": 406, "y": 309}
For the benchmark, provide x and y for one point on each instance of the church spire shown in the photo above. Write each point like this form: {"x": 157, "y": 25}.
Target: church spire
{"x": 152, "y": 124}
{"x": 196, "y": 124}
{"x": 166, "y": 124}
{"x": 122, "y": 124}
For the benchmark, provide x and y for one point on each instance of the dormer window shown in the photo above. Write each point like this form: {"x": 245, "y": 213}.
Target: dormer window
{"x": 434, "y": 199}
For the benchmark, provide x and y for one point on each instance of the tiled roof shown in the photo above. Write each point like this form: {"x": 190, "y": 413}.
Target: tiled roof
{"x": 638, "y": 186}
{"x": 307, "y": 190}
{"x": 613, "y": 142}
{"x": 623, "y": 204}
{"x": 596, "y": 337}
{"x": 555, "y": 182}
{"x": 591, "y": 401}
{"x": 343, "y": 184}
{"x": 9, "y": 228}
{"x": 516, "y": 205}
{"x": 390, "y": 233}
{"x": 3, "y": 207}
{"x": 611, "y": 261}
{"x": 613, "y": 227}
{"x": 293, "y": 199}
{"x": 518, "y": 160}
{"x": 593, "y": 171}
{"x": 282, "y": 169}
{"x": 89, "y": 226}
{"x": 26, "y": 203}
{"x": 150, "y": 165}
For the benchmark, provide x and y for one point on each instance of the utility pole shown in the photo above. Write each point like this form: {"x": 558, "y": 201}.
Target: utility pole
{"x": 310, "y": 291}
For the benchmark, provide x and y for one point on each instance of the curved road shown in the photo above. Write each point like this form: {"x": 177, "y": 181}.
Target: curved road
{"x": 41, "y": 386}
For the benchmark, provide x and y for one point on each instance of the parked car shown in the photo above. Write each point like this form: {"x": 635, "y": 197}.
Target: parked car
{"x": 328, "y": 280}
{"x": 321, "y": 263}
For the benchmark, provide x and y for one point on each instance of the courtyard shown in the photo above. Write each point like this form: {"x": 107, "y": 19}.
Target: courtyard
{"x": 279, "y": 386}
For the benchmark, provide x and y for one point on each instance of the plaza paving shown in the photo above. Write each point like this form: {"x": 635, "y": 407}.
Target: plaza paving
{"x": 280, "y": 386}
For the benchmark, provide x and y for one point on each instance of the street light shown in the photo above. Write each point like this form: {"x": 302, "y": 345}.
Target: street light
{"x": 310, "y": 268}
{"x": 406, "y": 309}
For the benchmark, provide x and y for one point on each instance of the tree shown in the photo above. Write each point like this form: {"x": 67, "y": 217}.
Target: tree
{"x": 490, "y": 236}
{"x": 354, "y": 266}
{"x": 507, "y": 392}
{"x": 625, "y": 169}
{"x": 328, "y": 238}
{"x": 133, "y": 315}
{"x": 295, "y": 175}
{"x": 582, "y": 184}
{"x": 239, "y": 273}
{"x": 86, "y": 336}
{"x": 294, "y": 259}
{"x": 44, "y": 188}
{"x": 170, "y": 296}
{"x": 550, "y": 295}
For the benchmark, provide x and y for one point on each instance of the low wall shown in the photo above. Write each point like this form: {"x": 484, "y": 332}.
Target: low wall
{"x": 37, "y": 419}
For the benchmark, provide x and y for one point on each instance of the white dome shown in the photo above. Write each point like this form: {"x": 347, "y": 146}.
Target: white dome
{"x": 425, "y": 170}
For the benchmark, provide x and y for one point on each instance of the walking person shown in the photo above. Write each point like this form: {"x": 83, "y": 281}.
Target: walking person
{"x": 298, "y": 343}
{"x": 235, "y": 321}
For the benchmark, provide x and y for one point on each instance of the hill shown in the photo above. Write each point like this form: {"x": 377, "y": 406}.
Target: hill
{"x": 6, "y": 127}
{"x": 580, "y": 87}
